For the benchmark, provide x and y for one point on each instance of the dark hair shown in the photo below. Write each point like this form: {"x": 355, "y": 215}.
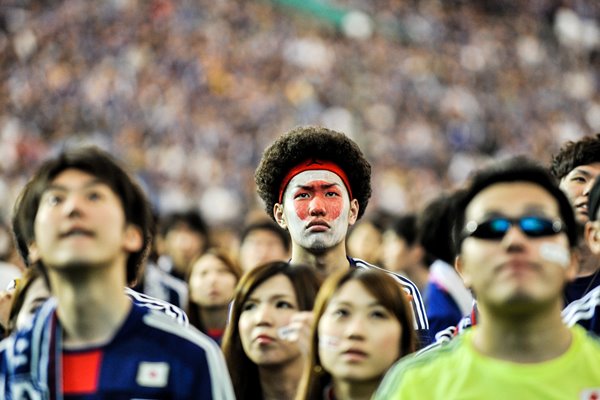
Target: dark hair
{"x": 193, "y": 310}
{"x": 312, "y": 142}
{"x": 516, "y": 169}
{"x": 405, "y": 226}
{"x": 435, "y": 223}
{"x": 594, "y": 201}
{"x": 573, "y": 154}
{"x": 386, "y": 290}
{"x": 191, "y": 219}
{"x": 244, "y": 373}
{"x": 102, "y": 166}
{"x": 267, "y": 225}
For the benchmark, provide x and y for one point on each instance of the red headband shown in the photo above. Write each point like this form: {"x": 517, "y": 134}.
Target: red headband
{"x": 312, "y": 165}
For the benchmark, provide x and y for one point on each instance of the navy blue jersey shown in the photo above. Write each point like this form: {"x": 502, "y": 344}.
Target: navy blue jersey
{"x": 585, "y": 311}
{"x": 417, "y": 305}
{"x": 150, "y": 357}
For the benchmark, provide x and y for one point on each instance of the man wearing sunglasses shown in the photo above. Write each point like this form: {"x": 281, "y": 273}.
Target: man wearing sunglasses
{"x": 515, "y": 236}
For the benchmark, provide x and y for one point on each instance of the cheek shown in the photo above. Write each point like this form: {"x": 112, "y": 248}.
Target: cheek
{"x": 301, "y": 208}
{"x": 334, "y": 207}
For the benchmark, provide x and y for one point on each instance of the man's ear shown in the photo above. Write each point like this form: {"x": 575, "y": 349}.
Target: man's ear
{"x": 353, "y": 214}
{"x": 592, "y": 236}
{"x": 133, "y": 239}
{"x": 460, "y": 268}
{"x": 279, "y": 215}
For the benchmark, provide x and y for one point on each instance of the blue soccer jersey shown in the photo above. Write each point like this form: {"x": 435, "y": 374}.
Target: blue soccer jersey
{"x": 150, "y": 357}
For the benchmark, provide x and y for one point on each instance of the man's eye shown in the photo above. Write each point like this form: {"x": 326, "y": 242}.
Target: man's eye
{"x": 301, "y": 196}
{"x": 579, "y": 179}
{"x": 331, "y": 194}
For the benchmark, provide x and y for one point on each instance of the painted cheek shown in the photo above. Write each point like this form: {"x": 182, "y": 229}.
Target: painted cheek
{"x": 301, "y": 208}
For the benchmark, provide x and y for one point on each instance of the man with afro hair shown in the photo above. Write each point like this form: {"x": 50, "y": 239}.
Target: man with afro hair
{"x": 316, "y": 183}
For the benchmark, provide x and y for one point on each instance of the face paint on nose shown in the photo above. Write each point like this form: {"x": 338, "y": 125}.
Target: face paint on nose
{"x": 318, "y": 197}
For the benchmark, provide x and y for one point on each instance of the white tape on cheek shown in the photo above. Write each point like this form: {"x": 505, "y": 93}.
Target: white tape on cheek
{"x": 288, "y": 332}
{"x": 328, "y": 342}
{"x": 555, "y": 253}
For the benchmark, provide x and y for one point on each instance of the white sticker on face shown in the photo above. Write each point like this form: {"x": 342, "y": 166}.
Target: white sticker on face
{"x": 555, "y": 253}
{"x": 328, "y": 342}
{"x": 288, "y": 332}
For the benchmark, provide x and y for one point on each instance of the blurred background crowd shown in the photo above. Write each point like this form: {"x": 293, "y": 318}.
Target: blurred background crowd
{"x": 189, "y": 93}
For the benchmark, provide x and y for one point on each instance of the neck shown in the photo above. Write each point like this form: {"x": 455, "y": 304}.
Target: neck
{"x": 538, "y": 337}
{"x": 92, "y": 304}
{"x": 281, "y": 381}
{"x": 355, "y": 390}
{"x": 214, "y": 317}
{"x": 331, "y": 260}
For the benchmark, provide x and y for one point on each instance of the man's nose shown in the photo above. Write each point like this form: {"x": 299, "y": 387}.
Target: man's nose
{"x": 317, "y": 206}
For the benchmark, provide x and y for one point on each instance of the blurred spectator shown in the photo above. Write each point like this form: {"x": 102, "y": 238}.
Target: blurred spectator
{"x": 212, "y": 281}
{"x": 402, "y": 251}
{"x": 365, "y": 238}
{"x": 190, "y": 92}
{"x": 263, "y": 241}
{"x": 447, "y": 299}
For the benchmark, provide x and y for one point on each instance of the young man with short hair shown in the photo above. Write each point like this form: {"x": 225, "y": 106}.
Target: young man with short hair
{"x": 83, "y": 219}
{"x": 515, "y": 236}
{"x": 316, "y": 183}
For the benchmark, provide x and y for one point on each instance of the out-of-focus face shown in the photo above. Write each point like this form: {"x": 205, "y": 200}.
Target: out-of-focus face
{"x": 577, "y": 185}
{"x": 37, "y": 293}
{"x": 183, "y": 245}
{"x": 212, "y": 284}
{"x": 397, "y": 255}
{"x": 80, "y": 221}
{"x": 359, "y": 339}
{"x": 515, "y": 272}
{"x": 268, "y": 308}
{"x": 364, "y": 242}
{"x": 317, "y": 210}
{"x": 261, "y": 246}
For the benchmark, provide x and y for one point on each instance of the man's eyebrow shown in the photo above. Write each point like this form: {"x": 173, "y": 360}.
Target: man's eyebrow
{"x": 324, "y": 186}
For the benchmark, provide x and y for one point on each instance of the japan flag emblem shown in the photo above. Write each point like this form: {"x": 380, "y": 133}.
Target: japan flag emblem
{"x": 590, "y": 394}
{"x": 153, "y": 374}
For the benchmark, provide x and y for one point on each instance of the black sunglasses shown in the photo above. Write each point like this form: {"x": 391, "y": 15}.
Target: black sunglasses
{"x": 495, "y": 228}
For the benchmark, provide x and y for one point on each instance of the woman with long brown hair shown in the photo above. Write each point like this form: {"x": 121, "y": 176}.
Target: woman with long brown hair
{"x": 362, "y": 325}
{"x": 263, "y": 362}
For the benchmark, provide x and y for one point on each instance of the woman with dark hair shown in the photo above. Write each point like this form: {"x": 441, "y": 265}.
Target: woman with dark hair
{"x": 363, "y": 324}
{"x": 263, "y": 361}
{"x": 212, "y": 281}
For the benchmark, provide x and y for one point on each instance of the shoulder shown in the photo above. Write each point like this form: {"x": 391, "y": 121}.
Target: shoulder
{"x": 186, "y": 345}
{"x": 420, "y": 368}
{"x": 155, "y": 304}
{"x": 583, "y": 308}
{"x": 405, "y": 282}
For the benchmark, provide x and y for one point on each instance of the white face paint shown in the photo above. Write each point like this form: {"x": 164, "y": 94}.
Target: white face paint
{"x": 328, "y": 342}
{"x": 288, "y": 332}
{"x": 555, "y": 253}
{"x": 316, "y": 206}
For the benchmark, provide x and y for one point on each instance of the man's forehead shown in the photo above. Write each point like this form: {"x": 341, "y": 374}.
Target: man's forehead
{"x": 591, "y": 170}
{"x": 306, "y": 178}
{"x": 512, "y": 199}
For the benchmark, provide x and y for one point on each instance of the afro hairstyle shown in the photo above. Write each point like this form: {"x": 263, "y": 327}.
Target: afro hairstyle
{"x": 312, "y": 142}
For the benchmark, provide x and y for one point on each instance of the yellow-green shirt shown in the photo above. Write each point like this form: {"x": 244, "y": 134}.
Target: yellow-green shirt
{"x": 457, "y": 371}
